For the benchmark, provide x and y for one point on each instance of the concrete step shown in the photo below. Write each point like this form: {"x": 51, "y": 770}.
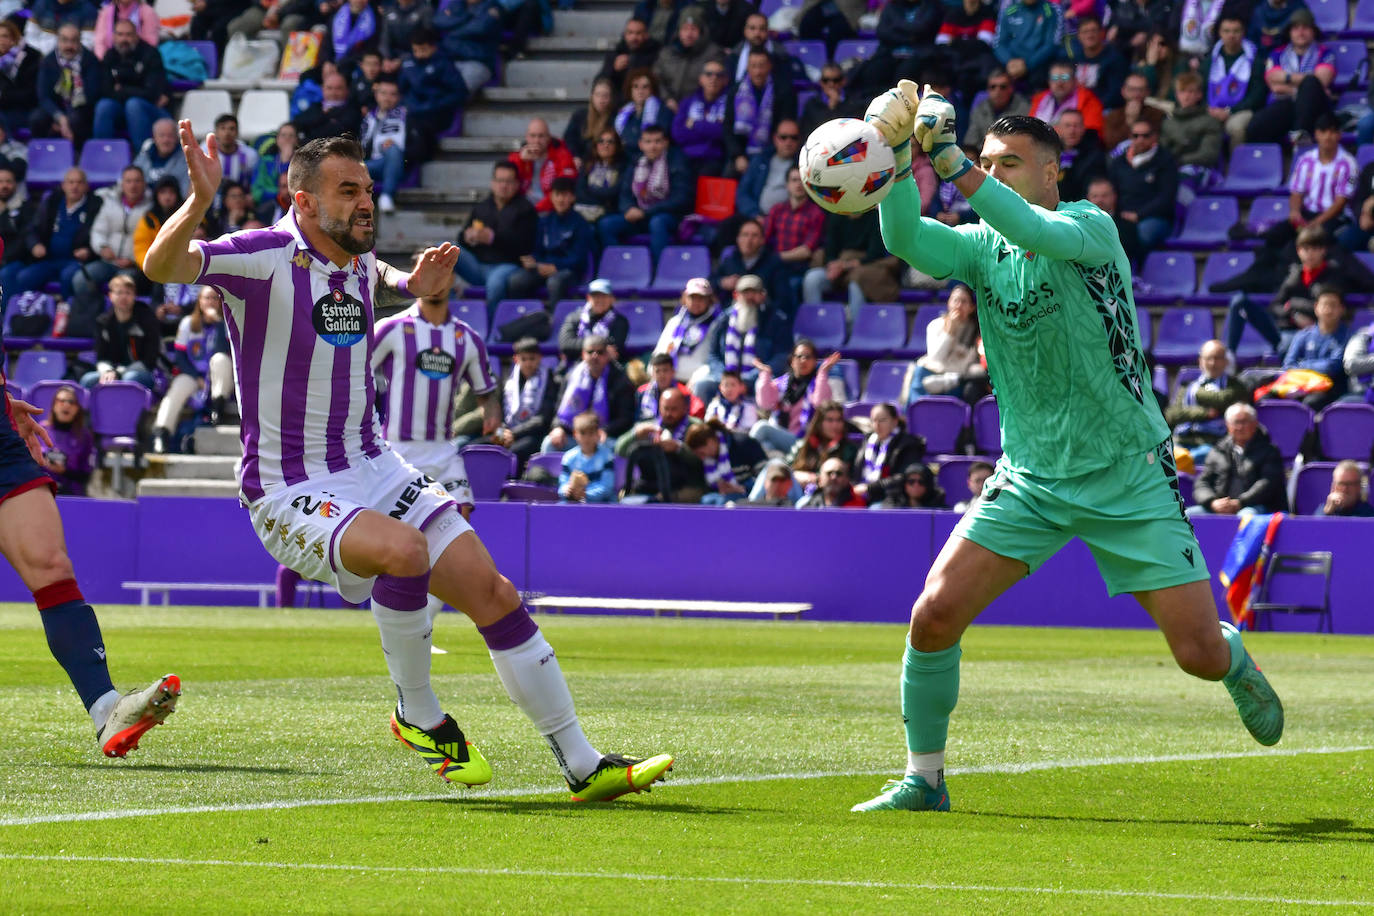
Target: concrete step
{"x": 443, "y": 197}
{"x": 156, "y": 486}
{"x": 580, "y": 45}
{"x": 573, "y": 76}
{"x": 192, "y": 467}
{"x": 452, "y": 174}
{"x": 523, "y": 95}
{"x": 509, "y": 122}
{"x": 491, "y": 148}
{"x": 592, "y": 23}
{"x": 218, "y": 440}
{"x": 418, "y": 228}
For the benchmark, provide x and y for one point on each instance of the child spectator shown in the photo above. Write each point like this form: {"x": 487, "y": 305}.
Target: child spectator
{"x": 1321, "y": 348}
{"x": 201, "y": 360}
{"x": 1192, "y": 135}
{"x": 730, "y": 407}
{"x": 650, "y": 394}
{"x": 887, "y": 448}
{"x": 128, "y": 341}
{"x": 72, "y": 456}
{"x": 588, "y": 474}
{"x": 978, "y": 474}
{"x": 384, "y": 142}
{"x": 529, "y": 398}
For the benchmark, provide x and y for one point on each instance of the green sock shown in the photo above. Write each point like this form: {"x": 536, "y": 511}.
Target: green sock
{"x": 930, "y": 688}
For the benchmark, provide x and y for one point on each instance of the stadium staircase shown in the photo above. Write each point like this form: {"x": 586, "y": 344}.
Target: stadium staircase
{"x": 209, "y": 472}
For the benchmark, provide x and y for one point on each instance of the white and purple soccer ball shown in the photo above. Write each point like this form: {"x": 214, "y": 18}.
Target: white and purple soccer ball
{"x": 847, "y": 166}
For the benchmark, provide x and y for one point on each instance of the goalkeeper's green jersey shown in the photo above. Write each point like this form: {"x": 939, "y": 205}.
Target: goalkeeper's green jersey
{"x": 1058, "y": 322}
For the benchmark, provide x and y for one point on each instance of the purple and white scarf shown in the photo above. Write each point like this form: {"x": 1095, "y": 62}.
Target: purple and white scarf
{"x": 730, "y": 413}
{"x": 739, "y": 341}
{"x": 652, "y": 107}
{"x": 875, "y": 455}
{"x": 802, "y": 401}
{"x": 1195, "y": 25}
{"x": 9, "y": 61}
{"x": 1226, "y": 85}
{"x": 698, "y": 109}
{"x": 754, "y": 117}
{"x": 584, "y": 393}
{"x": 587, "y": 323}
{"x": 687, "y": 331}
{"x": 650, "y": 181}
{"x": 718, "y": 469}
{"x": 521, "y": 403}
{"x": 349, "y": 29}
{"x": 648, "y": 402}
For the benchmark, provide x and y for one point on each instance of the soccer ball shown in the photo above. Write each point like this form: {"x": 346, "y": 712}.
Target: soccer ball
{"x": 846, "y": 166}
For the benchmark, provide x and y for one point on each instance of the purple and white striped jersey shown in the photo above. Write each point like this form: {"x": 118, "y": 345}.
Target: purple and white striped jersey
{"x": 300, "y": 329}
{"x": 421, "y": 365}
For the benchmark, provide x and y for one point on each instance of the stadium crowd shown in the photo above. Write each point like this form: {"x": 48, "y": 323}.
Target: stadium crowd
{"x": 690, "y": 136}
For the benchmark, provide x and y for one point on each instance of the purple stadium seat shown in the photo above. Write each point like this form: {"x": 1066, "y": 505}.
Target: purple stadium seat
{"x": 48, "y": 161}
{"x": 1166, "y": 277}
{"x": 474, "y": 313}
{"x": 1288, "y": 423}
{"x": 1145, "y": 323}
{"x": 551, "y": 463}
{"x": 1361, "y": 20}
{"x": 1361, "y": 318}
{"x": 488, "y": 466}
{"x": 1346, "y": 430}
{"x": 646, "y": 324}
{"x": 856, "y": 409}
{"x": 1207, "y": 223}
{"x": 104, "y": 160}
{"x": 1253, "y": 347}
{"x": 1266, "y": 211}
{"x": 116, "y": 408}
{"x": 1221, "y": 265}
{"x": 1364, "y": 155}
{"x": 561, "y": 310}
{"x": 1311, "y": 484}
{"x": 1352, "y": 63}
{"x": 848, "y": 372}
{"x": 916, "y": 340}
{"x": 208, "y": 53}
{"x": 628, "y": 268}
{"x": 41, "y": 393}
{"x": 1159, "y": 379}
{"x": 810, "y": 53}
{"x": 522, "y": 491}
{"x": 1185, "y": 376}
{"x": 987, "y": 428}
{"x": 952, "y": 476}
{"x": 1182, "y": 332}
{"x": 823, "y": 322}
{"x": 1185, "y": 487}
{"x": 887, "y": 381}
{"x": 1332, "y": 16}
{"x": 879, "y": 329}
{"x": 941, "y": 420}
{"x": 32, "y": 366}
{"x": 1254, "y": 169}
{"x": 854, "y": 49}
{"x": 508, "y": 310}
{"x": 677, "y": 265}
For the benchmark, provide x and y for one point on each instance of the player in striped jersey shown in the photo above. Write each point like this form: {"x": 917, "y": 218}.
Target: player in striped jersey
{"x": 327, "y": 495}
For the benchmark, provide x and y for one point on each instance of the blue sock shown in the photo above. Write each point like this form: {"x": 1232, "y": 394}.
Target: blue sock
{"x": 74, "y": 639}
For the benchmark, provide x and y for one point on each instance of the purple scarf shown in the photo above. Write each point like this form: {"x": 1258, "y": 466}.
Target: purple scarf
{"x": 739, "y": 345}
{"x": 350, "y": 30}
{"x": 754, "y": 117}
{"x": 523, "y": 403}
{"x": 648, "y": 402}
{"x": 792, "y": 395}
{"x": 689, "y": 330}
{"x": 586, "y": 324}
{"x": 875, "y": 456}
{"x": 584, "y": 392}
{"x": 9, "y": 61}
{"x": 1226, "y": 86}
{"x": 650, "y": 181}
{"x": 652, "y": 107}
{"x": 731, "y": 413}
{"x": 718, "y": 469}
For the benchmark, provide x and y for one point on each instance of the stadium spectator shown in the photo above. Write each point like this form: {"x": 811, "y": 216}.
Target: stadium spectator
{"x": 1102, "y": 193}
{"x": 886, "y": 451}
{"x": 634, "y": 51}
{"x": 112, "y": 238}
{"x": 643, "y": 109}
{"x": 662, "y": 17}
{"x": 19, "y": 65}
{"x": 13, "y": 154}
{"x": 1320, "y": 348}
{"x": 48, "y": 16}
{"x": 58, "y": 240}
{"x": 678, "y": 68}
{"x": 831, "y": 21}
{"x": 658, "y": 461}
{"x": 598, "y": 184}
{"x": 588, "y": 473}
{"x": 595, "y": 383}
{"x": 686, "y": 337}
{"x": 1028, "y": 33}
{"x": 161, "y": 156}
{"x": 795, "y": 229}
{"x": 70, "y": 80}
{"x": 730, "y": 461}
{"x": 202, "y": 363}
{"x": 724, "y": 21}
{"x": 1001, "y": 100}
{"x": 540, "y": 160}
{"x": 353, "y": 29}
{"x": 128, "y": 341}
{"x": 1235, "y": 79}
{"x": 951, "y": 364}
{"x": 1270, "y": 21}
{"x": 237, "y": 159}
{"x": 754, "y": 106}
{"x": 142, "y": 16}
{"x": 597, "y": 317}
{"x": 918, "y": 490}
{"x": 655, "y": 192}
{"x": 1133, "y": 22}
{"x": 978, "y": 474}
{"x": 562, "y": 247}
{"x": 500, "y": 231}
{"x": 529, "y": 401}
{"x": 834, "y": 489}
{"x": 400, "y": 20}
{"x": 384, "y": 143}
{"x": 755, "y": 37}
{"x": 470, "y": 33}
{"x": 790, "y": 399}
{"x": 585, "y": 125}
{"x": 1116, "y": 124}
{"x": 1299, "y": 76}
{"x": 751, "y": 256}
{"x": 332, "y": 116}
{"x": 71, "y": 460}
{"x": 175, "y": 298}
{"x": 1191, "y": 135}
{"x": 1146, "y": 180}
{"x": 1063, "y": 94}
{"x": 662, "y": 377}
{"x": 775, "y": 486}
{"x": 1097, "y": 64}
{"x": 907, "y": 30}
{"x": 273, "y": 163}
{"x": 1196, "y": 413}
{"x": 1320, "y": 186}
{"x": 210, "y": 18}
{"x": 752, "y": 330}
{"x": 1347, "y": 497}
{"x": 1359, "y": 363}
{"x": 763, "y": 183}
{"x": 731, "y": 407}
{"x": 366, "y": 72}
{"x": 432, "y": 90}
{"x": 699, "y": 126}
{"x": 833, "y": 101}
{"x": 1355, "y": 235}
{"x": 16, "y": 214}
{"x": 857, "y": 265}
{"x": 965, "y": 41}
{"x": 1082, "y": 158}
{"x": 234, "y": 211}
{"x": 1243, "y": 473}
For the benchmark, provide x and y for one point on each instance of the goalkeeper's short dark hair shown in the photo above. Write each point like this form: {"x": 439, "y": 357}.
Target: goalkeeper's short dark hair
{"x": 1041, "y": 133}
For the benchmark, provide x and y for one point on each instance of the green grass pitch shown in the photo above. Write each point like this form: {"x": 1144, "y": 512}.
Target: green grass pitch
{"x": 1088, "y": 775}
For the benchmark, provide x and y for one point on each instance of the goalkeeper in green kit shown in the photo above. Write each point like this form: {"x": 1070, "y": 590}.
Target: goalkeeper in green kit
{"x": 1086, "y": 451}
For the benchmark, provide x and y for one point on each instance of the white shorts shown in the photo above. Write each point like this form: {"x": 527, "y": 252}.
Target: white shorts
{"x": 441, "y": 461}
{"x": 301, "y": 525}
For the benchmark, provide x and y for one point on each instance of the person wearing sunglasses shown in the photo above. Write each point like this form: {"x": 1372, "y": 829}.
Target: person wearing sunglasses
{"x": 1146, "y": 178}
{"x": 834, "y": 101}
{"x": 1065, "y": 93}
{"x": 1001, "y": 100}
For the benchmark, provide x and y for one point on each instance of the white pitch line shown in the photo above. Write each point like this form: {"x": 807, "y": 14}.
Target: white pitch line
{"x": 703, "y": 879}
{"x": 995, "y": 768}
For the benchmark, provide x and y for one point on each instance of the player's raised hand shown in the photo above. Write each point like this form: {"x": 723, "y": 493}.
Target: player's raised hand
{"x": 204, "y": 168}
{"x": 935, "y": 133}
{"x": 894, "y": 111}
{"x": 433, "y": 270}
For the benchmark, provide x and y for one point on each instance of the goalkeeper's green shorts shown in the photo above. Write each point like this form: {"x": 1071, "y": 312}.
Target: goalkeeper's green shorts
{"x": 1130, "y": 515}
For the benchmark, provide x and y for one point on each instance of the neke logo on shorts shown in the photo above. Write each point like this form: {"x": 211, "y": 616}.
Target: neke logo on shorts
{"x": 409, "y": 495}
{"x": 339, "y": 319}
{"x": 435, "y": 363}
{"x": 307, "y": 506}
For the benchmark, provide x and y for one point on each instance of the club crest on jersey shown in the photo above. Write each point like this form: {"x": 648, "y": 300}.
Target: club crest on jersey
{"x": 301, "y": 259}
{"x": 434, "y": 363}
{"x": 339, "y": 318}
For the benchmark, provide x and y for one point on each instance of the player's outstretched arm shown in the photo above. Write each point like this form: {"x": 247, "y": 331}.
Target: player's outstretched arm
{"x": 926, "y": 244}
{"x": 432, "y": 270}
{"x": 172, "y": 258}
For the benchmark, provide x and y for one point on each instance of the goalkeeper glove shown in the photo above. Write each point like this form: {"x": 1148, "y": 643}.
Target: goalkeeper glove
{"x": 934, "y": 132}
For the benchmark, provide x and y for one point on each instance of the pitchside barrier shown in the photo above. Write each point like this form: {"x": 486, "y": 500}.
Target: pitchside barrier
{"x": 847, "y": 564}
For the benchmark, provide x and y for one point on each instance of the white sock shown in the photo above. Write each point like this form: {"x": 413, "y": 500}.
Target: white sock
{"x": 535, "y": 682}
{"x": 930, "y": 767}
{"x": 434, "y": 608}
{"x": 405, "y": 642}
{"x": 100, "y": 709}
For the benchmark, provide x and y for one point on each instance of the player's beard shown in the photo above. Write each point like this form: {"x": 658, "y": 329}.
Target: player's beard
{"x": 341, "y": 233}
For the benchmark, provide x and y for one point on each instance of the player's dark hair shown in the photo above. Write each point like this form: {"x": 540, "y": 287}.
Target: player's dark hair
{"x": 1041, "y": 134}
{"x": 304, "y": 172}
{"x": 525, "y": 345}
